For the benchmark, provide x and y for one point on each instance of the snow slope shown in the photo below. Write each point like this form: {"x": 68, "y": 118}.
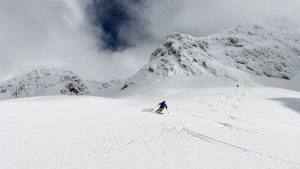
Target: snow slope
{"x": 220, "y": 127}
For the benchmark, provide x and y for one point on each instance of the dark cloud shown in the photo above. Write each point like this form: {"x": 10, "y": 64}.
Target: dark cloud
{"x": 55, "y": 34}
{"x": 127, "y": 23}
{"x": 117, "y": 20}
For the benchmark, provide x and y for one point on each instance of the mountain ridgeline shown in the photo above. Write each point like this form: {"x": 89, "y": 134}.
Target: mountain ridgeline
{"x": 40, "y": 82}
{"x": 270, "y": 48}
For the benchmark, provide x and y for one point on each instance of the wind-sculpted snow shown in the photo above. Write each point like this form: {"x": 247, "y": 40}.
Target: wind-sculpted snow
{"x": 270, "y": 48}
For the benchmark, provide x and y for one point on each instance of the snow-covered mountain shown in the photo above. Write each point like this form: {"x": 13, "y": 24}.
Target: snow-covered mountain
{"x": 270, "y": 48}
{"x": 43, "y": 81}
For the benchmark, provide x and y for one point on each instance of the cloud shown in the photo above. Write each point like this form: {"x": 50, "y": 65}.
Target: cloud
{"x": 129, "y": 22}
{"x": 41, "y": 32}
{"x": 135, "y": 22}
{"x": 117, "y": 19}
{"x": 204, "y": 17}
{"x": 91, "y": 40}
{"x": 54, "y": 33}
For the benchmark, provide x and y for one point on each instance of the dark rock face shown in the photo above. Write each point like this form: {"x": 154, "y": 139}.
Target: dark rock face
{"x": 74, "y": 89}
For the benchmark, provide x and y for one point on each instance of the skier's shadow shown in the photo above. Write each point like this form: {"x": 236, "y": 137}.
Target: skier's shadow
{"x": 148, "y": 110}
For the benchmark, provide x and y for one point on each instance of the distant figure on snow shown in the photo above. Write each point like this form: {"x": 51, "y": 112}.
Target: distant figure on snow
{"x": 162, "y": 106}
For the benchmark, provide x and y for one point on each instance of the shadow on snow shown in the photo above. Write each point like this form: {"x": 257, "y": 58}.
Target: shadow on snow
{"x": 292, "y": 103}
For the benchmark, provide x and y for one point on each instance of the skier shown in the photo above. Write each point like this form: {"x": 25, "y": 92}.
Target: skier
{"x": 162, "y": 106}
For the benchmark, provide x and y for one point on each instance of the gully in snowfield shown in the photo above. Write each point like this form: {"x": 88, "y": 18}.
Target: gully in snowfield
{"x": 162, "y": 106}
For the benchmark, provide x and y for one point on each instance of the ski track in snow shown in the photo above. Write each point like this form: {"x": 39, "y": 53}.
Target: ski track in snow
{"x": 216, "y": 108}
{"x": 201, "y": 132}
{"x": 212, "y": 140}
